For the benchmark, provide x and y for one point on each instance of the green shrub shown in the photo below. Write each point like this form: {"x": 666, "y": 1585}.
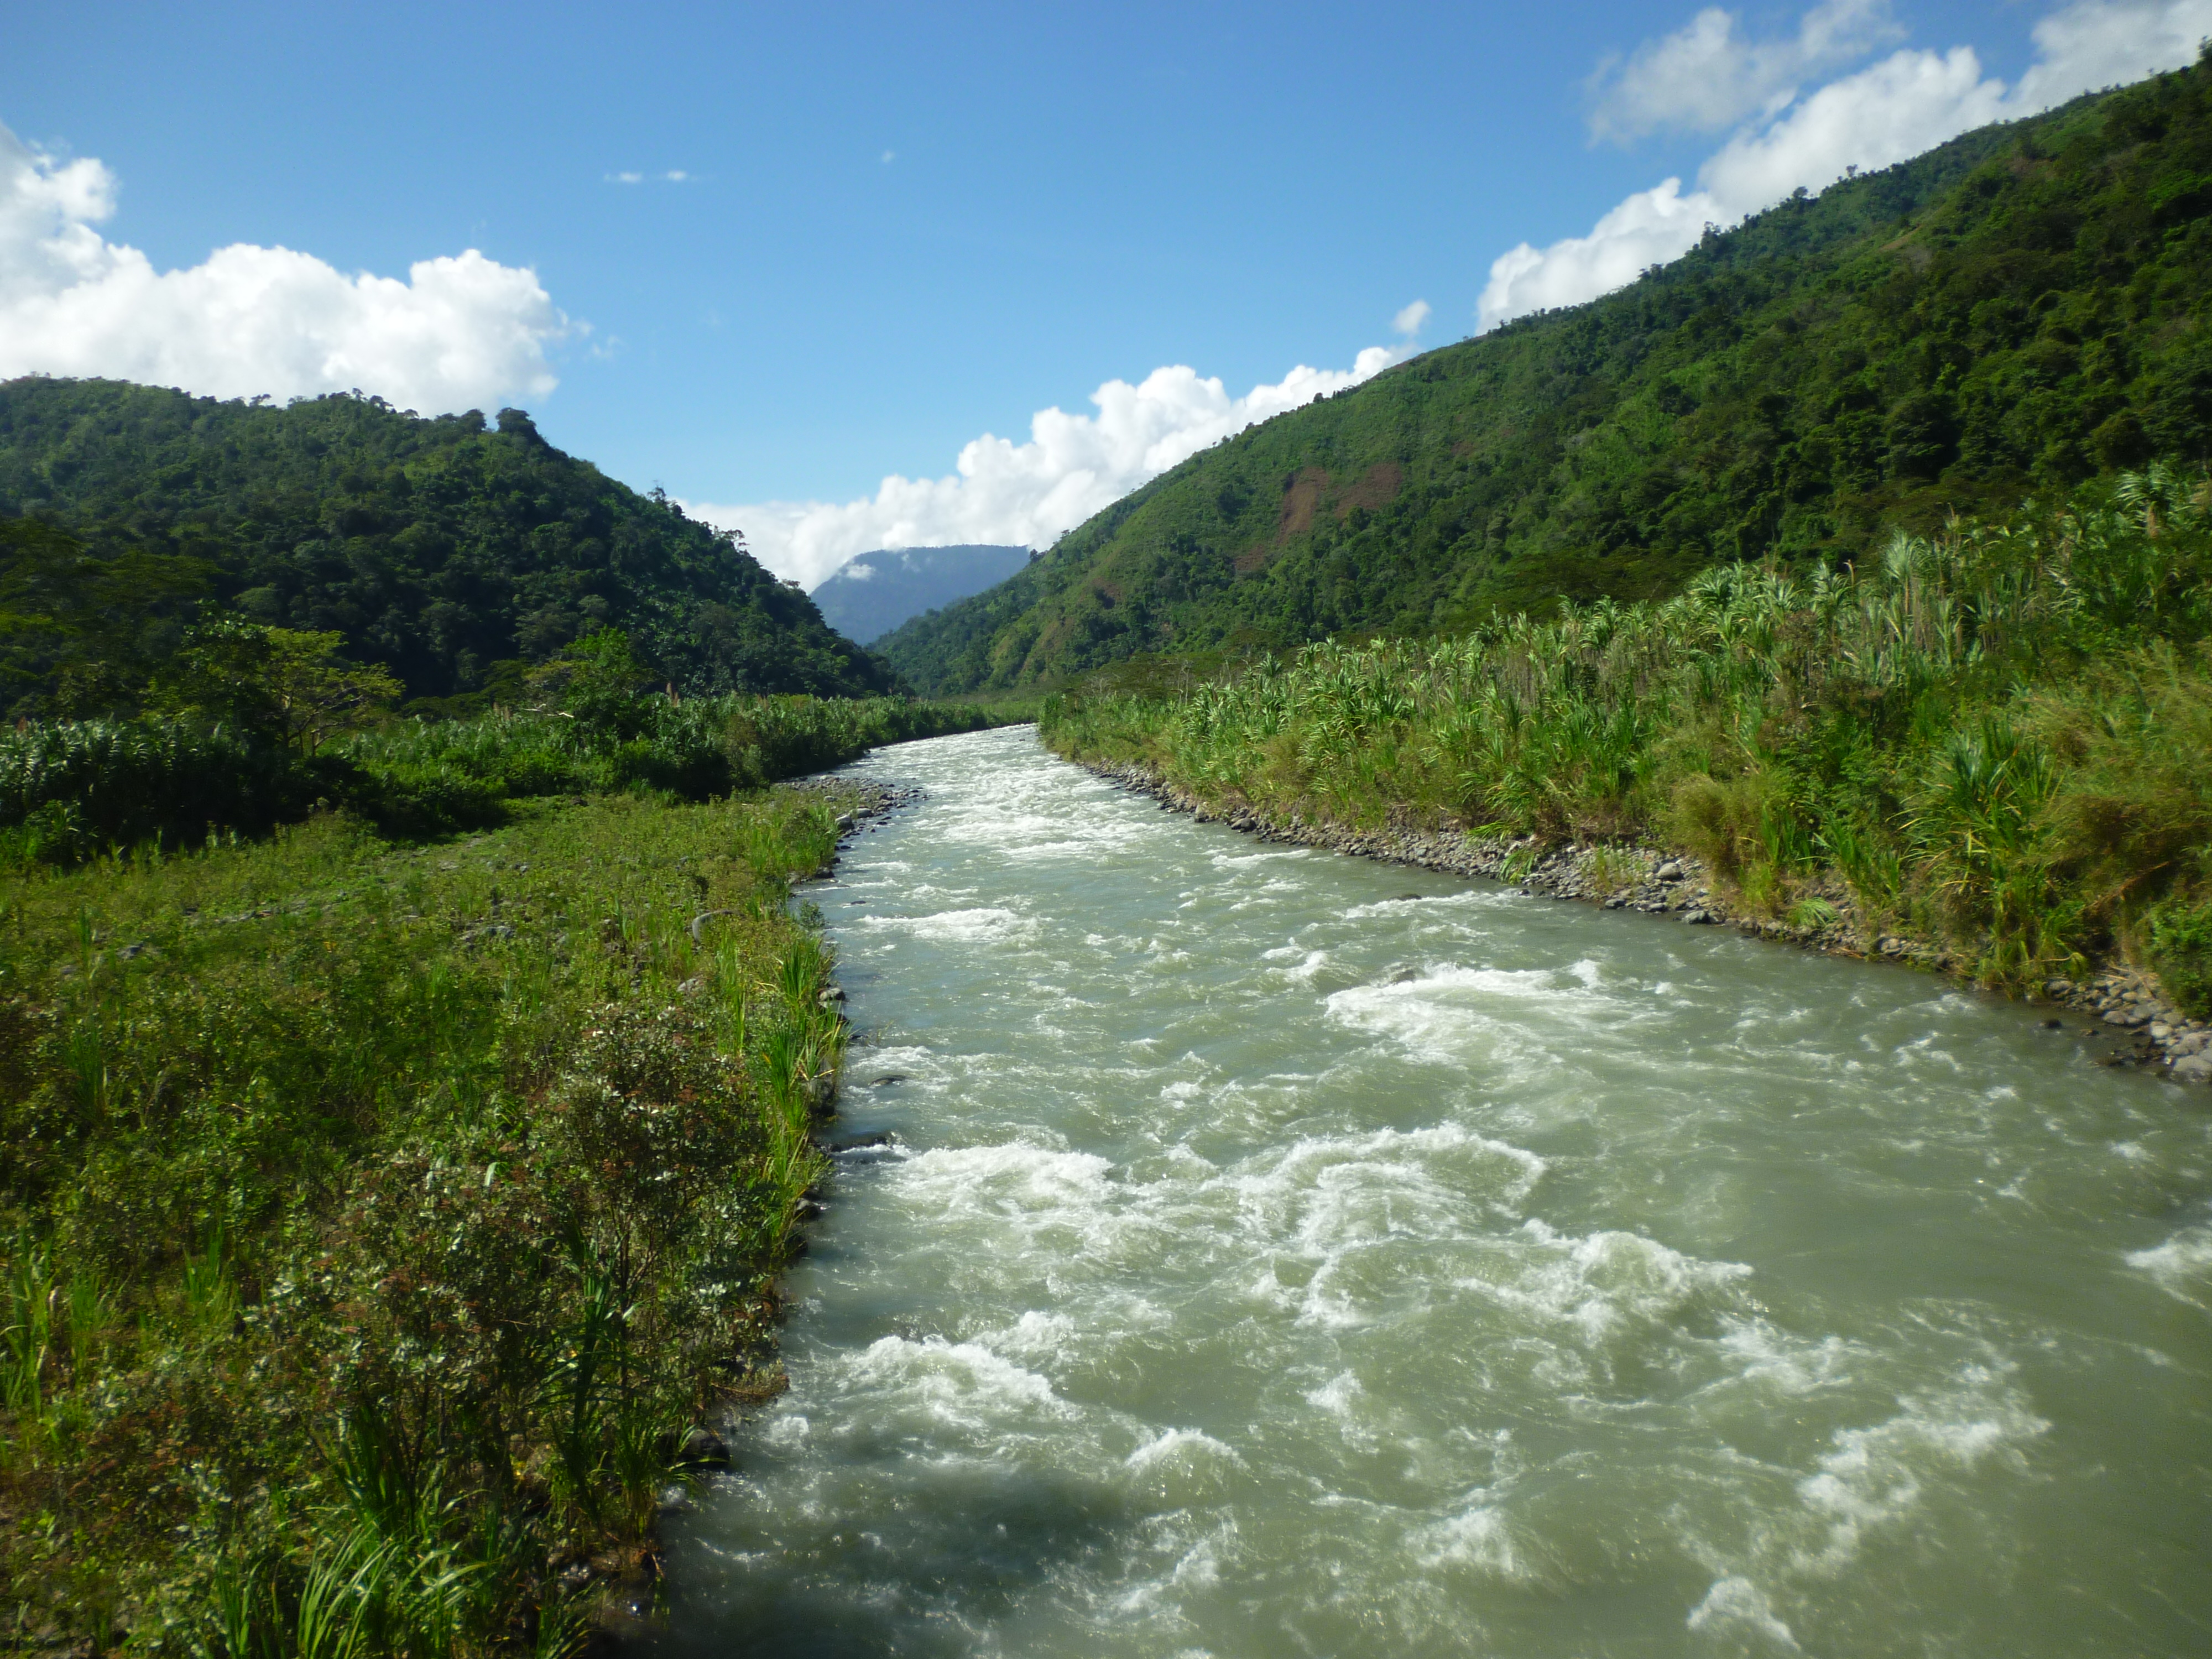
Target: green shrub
{"x": 2181, "y": 950}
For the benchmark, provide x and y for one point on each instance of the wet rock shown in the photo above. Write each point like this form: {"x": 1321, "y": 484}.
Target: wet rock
{"x": 702, "y": 1449}
{"x": 2129, "y": 1016}
{"x": 861, "y": 1143}
{"x": 1699, "y": 918}
{"x": 886, "y": 1079}
{"x": 2193, "y": 1068}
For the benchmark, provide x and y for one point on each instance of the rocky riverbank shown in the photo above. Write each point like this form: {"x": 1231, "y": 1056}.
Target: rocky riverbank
{"x": 2123, "y": 1004}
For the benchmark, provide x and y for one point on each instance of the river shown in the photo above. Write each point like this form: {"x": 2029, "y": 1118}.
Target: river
{"x": 1285, "y": 1254}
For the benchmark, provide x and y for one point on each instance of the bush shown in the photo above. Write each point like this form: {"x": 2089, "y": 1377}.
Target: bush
{"x": 2181, "y": 950}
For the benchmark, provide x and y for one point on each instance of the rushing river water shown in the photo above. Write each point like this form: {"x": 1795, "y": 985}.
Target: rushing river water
{"x": 1287, "y": 1254}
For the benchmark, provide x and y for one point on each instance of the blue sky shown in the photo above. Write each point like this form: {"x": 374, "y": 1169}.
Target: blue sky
{"x": 898, "y": 228}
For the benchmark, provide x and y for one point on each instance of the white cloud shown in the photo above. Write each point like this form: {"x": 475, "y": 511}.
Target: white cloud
{"x": 2082, "y": 47}
{"x": 625, "y": 178}
{"x": 1648, "y": 229}
{"x": 1028, "y": 493}
{"x": 1408, "y": 322}
{"x": 1705, "y": 75}
{"x": 461, "y": 331}
{"x": 1910, "y": 102}
{"x": 1907, "y": 103}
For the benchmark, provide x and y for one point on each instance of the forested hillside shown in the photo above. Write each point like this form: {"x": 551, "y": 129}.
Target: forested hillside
{"x": 440, "y": 549}
{"x": 2008, "y": 315}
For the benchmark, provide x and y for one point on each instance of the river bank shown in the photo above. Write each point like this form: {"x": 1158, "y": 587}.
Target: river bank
{"x": 2127, "y": 1004}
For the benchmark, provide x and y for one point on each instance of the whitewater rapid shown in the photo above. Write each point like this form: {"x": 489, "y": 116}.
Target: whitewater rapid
{"x": 1282, "y": 1254}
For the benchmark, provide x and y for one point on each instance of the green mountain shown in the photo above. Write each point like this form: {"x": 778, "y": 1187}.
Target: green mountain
{"x": 868, "y": 596}
{"x": 2010, "y": 314}
{"x": 438, "y": 548}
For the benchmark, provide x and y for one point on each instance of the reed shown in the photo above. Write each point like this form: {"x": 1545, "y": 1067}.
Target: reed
{"x": 1995, "y": 735}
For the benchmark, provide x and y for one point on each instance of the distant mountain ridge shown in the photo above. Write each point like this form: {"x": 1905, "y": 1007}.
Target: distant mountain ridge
{"x": 2017, "y": 310}
{"x": 875, "y": 592}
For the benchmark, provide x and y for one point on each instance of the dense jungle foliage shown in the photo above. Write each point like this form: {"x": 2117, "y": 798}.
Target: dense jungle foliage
{"x": 1996, "y": 736}
{"x": 2008, "y": 315}
{"x": 451, "y": 554}
{"x": 262, "y": 726}
{"x": 377, "y": 1224}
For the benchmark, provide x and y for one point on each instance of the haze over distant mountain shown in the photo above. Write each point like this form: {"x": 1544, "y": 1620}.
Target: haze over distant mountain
{"x": 875, "y": 592}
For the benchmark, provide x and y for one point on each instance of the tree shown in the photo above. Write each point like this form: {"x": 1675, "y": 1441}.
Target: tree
{"x": 596, "y": 681}
{"x": 289, "y": 684}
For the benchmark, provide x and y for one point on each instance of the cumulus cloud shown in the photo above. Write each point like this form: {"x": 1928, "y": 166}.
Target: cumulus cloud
{"x": 1907, "y": 103}
{"x": 1408, "y": 322}
{"x": 461, "y": 331}
{"x": 1027, "y": 493}
{"x": 1706, "y": 75}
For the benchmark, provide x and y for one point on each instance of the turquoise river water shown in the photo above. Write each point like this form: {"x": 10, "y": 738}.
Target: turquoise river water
{"x": 1285, "y": 1255}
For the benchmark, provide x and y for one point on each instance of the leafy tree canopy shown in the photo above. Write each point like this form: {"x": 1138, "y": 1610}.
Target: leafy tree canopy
{"x": 449, "y": 555}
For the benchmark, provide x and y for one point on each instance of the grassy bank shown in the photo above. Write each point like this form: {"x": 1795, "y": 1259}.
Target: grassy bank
{"x": 1996, "y": 736}
{"x": 380, "y": 1220}
{"x": 383, "y": 1204}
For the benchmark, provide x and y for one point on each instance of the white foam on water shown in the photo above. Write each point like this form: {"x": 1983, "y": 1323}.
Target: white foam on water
{"x": 956, "y": 1385}
{"x": 1602, "y": 1282}
{"x": 1790, "y": 1365}
{"x": 1327, "y": 1191}
{"x": 1020, "y": 1196}
{"x": 984, "y": 926}
{"x": 787, "y": 1431}
{"x": 2181, "y": 1266}
{"x": 1471, "y": 899}
{"x": 1182, "y": 1446}
{"x": 1477, "y": 1536}
{"x": 1876, "y": 1476}
{"x": 1737, "y": 1604}
{"x": 1437, "y": 1011}
{"x": 1233, "y": 860}
{"x": 1036, "y": 1336}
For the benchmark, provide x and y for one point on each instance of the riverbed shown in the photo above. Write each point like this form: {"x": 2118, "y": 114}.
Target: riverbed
{"x": 1285, "y": 1254}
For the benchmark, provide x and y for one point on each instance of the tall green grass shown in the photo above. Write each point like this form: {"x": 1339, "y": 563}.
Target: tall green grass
{"x": 376, "y": 1220}
{"x": 69, "y": 790}
{"x": 1999, "y": 735}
